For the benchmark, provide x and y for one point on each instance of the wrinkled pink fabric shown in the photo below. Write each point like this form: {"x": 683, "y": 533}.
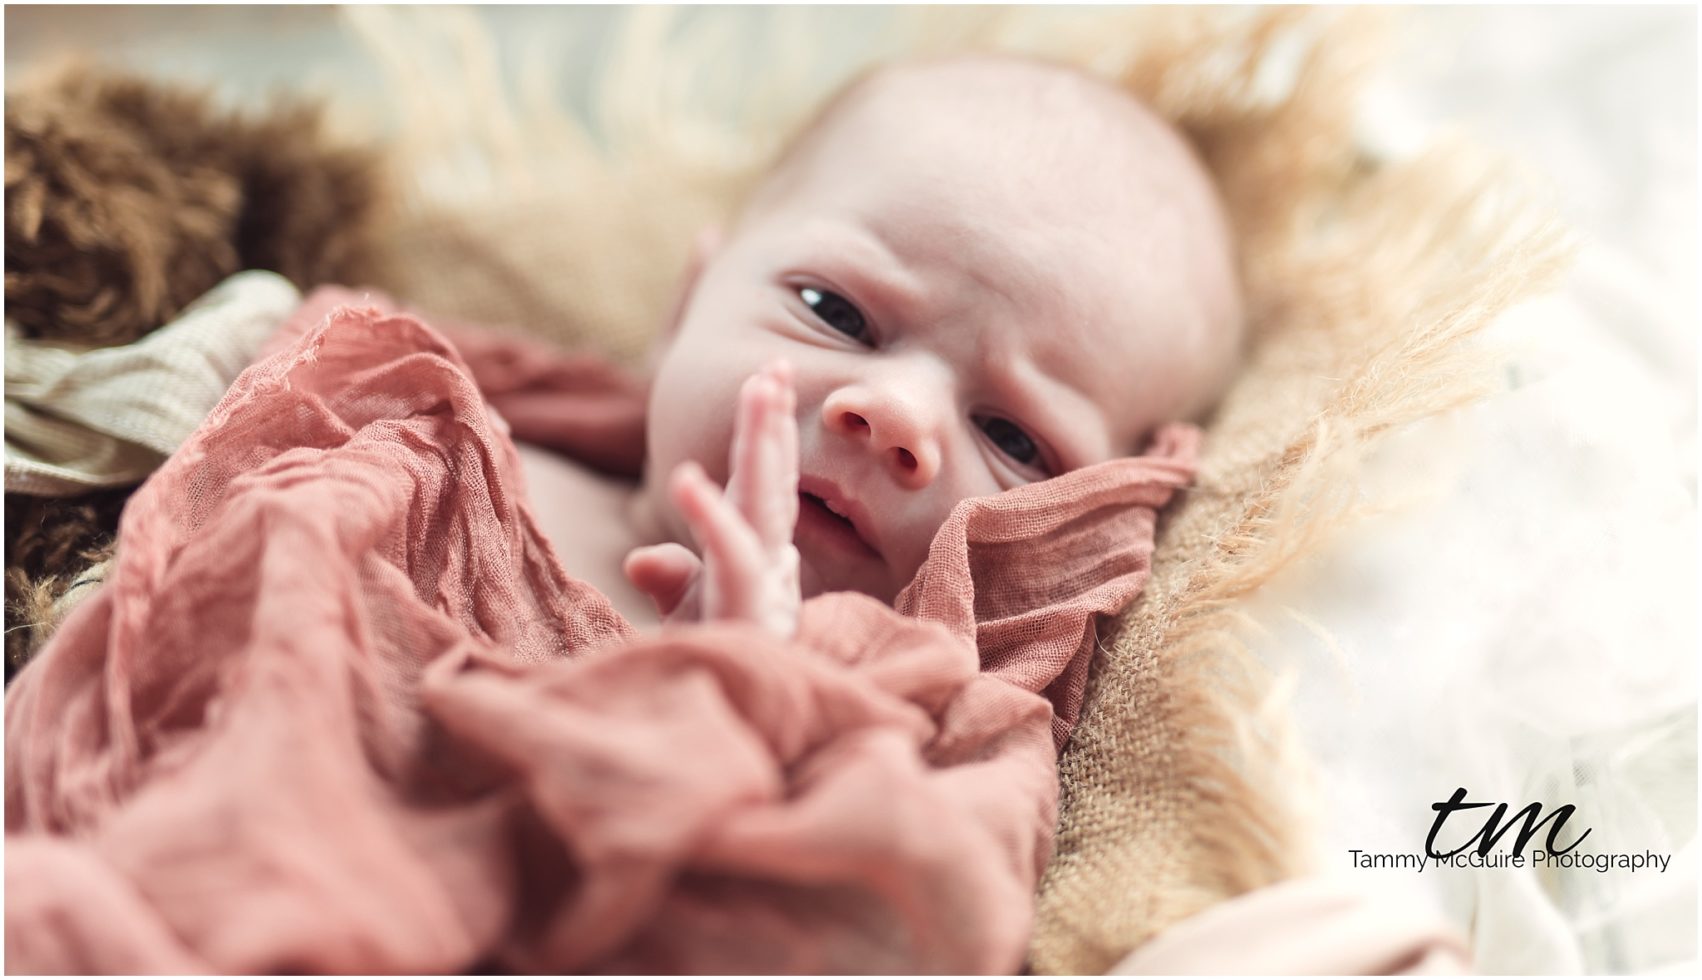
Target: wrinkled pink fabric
{"x": 340, "y": 708}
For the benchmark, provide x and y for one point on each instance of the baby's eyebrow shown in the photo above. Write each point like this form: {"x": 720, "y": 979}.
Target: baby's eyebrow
{"x": 1046, "y": 404}
{"x": 874, "y": 269}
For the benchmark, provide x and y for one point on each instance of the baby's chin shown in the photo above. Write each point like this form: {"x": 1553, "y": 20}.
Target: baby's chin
{"x": 820, "y": 575}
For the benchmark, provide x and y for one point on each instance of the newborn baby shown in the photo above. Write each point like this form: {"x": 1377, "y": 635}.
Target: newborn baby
{"x": 966, "y": 275}
{"x": 334, "y": 683}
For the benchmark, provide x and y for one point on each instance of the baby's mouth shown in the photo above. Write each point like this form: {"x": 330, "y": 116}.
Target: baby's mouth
{"x": 817, "y": 518}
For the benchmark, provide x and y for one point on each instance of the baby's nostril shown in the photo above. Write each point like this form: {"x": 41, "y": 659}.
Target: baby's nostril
{"x": 854, "y": 421}
{"x": 906, "y": 459}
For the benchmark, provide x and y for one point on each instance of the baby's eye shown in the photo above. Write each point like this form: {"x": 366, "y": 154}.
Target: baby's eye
{"x": 836, "y": 311}
{"x": 1012, "y": 441}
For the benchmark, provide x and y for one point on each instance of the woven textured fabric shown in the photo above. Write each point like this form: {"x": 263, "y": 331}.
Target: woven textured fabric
{"x": 84, "y": 418}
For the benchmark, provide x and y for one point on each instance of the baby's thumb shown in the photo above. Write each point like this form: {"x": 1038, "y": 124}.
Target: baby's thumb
{"x": 664, "y": 572}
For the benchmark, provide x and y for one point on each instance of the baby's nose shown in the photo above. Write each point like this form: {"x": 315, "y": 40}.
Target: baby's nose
{"x": 899, "y": 434}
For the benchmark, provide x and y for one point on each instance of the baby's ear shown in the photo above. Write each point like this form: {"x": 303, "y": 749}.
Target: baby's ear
{"x": 703, "y": 248}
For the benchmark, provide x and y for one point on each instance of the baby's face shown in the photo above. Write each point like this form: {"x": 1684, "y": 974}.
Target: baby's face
{"x": 975, "y": 291}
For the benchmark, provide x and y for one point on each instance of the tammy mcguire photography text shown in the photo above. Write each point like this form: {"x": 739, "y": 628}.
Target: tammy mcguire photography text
{"x": 1417, "y": 861}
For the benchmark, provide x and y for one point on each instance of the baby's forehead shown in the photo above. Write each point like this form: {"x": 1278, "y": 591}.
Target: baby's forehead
{"x": 1060, "y": 192}
{"x": 972, "y": 130}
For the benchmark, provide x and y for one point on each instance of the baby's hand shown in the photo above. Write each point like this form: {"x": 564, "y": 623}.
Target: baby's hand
{"x": 749, "y": 569}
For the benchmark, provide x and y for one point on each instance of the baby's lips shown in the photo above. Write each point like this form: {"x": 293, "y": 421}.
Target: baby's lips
{"x": 851, "y": 509}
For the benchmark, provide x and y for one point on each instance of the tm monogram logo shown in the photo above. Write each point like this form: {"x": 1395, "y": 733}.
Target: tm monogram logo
{"x": 1493, "y": 829}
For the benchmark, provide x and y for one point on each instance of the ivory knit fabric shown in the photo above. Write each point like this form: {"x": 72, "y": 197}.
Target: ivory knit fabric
{"x": 79, "y": 419}
{"x": 1312, "y": 925}
{"x": 340, "y": 708}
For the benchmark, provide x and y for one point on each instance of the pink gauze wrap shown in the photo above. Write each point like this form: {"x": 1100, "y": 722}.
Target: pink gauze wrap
{"x": 340, "y": 708}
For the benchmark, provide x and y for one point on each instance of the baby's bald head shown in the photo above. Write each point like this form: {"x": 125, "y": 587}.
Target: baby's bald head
{"x": 1054, "y": 145}
{"x": 983, "y": 273}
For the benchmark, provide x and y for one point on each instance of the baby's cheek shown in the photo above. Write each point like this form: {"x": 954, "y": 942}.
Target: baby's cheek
{"x": 954, "y": 485}
{"x": 692, "y": 403}
{"x": 684, "y": 430}
{"x": 908, "y": 549}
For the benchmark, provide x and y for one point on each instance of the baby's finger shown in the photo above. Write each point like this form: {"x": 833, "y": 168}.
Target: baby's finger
{"x": 766, "y": 480}
{"x": 732, "y": 553}
{"x": 664, "y": 572}
{"x": 744, "y": 463}
{"x": 782, "y": 521}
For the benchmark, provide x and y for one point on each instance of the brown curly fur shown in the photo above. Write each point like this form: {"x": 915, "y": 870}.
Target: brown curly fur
{"x": 49, "y": 544}
{"x": 126, "y": 199}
